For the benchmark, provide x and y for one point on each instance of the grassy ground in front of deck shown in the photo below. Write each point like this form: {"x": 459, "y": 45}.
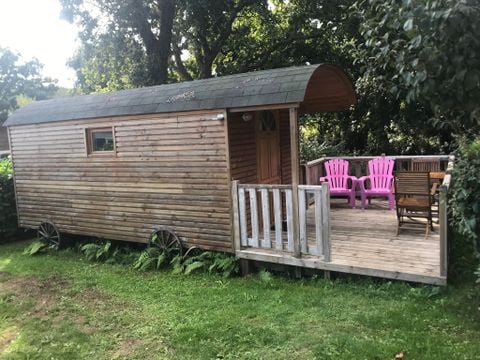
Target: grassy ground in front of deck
{"x": 59, "y": 306}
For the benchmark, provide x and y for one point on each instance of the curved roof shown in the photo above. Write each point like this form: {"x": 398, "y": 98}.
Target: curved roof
{"x": 315, "y": 87}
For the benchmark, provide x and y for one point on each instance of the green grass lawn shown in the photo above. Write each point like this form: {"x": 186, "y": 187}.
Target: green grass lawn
{"x": 59, "y": 306}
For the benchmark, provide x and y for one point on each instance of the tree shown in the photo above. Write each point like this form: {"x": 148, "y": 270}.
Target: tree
{"x": 20, "y": 78}
{"x": 230, "y": 37}
{"x": 124, "y": 38}
{"x": 426, "y": 53}
{"x": 204, "y": 31}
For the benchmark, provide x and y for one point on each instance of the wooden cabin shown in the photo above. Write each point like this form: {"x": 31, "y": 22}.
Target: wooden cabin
{"x": 214, "y": 161}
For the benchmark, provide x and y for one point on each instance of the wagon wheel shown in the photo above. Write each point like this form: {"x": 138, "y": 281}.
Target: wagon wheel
{"x": 49, "y": 235}
{"x": 167, "y": 241}
{"x": 193, "y": 251}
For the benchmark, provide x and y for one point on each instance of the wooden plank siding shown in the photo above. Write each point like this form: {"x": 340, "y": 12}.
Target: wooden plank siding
{"x": 3, "y": 138}
{"x": 168, "y": 170}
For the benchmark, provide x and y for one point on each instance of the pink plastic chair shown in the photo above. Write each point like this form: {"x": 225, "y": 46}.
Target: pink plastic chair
{"x": 338, "y": 179}
{"x": 380, "y": 181}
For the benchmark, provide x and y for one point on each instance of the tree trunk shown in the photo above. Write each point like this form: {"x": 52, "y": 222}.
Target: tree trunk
{"x": 167, "y": 13}
{"x": 158, "y": 49}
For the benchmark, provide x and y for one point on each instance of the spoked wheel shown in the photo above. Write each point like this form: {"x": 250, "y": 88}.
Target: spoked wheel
{"x": 193, "y": 251}
{"x": 49, "y": 235}
{"x": 167, "y": 241}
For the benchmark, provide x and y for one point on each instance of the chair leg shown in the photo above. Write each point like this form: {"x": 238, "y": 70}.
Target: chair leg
{"x": 391, "y": 202}
{"x": 363, "y": 197}
{"x": 427, "y": 231}
{"x": 352, "y": 200}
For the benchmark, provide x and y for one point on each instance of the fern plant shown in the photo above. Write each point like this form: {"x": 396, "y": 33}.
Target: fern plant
{"x": 150, "y": 259}
{"x": 35, "y": 247}
{"x": 98, "y": 251}
{"x": 207, "y": 261}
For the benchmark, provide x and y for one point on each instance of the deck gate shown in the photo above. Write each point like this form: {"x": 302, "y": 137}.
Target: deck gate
{"x": 264, "y": 217}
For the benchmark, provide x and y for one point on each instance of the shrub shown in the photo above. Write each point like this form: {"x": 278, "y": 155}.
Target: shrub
{"x": 8, "y": 216}
{"x": 465, "y": 196}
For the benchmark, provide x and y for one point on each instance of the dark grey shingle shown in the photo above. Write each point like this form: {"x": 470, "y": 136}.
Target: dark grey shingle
{"x": 267, "y": 87}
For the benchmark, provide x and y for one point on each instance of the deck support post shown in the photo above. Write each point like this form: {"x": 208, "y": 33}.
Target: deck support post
{"x": 326, "y": 241}
{"x": 298, "y": 272}
{"x": 235, "y": 216}
{"x": 246, "y": 267}
{"x": 442, "y": 219}
{"x": 295, "y": 166}
{"x": 443, "y": 216}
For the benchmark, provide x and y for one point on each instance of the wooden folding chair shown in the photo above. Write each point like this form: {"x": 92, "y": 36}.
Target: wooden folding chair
{"x": 426, "y": 165}
{"x": 414, "y": 198}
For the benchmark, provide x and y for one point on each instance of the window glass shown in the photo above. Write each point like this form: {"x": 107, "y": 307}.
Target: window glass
{"x": 102, "y": 140}
{"x": 267, "y": 122}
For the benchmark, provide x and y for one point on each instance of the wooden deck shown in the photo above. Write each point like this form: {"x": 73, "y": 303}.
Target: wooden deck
{"x": 364, "y": 242}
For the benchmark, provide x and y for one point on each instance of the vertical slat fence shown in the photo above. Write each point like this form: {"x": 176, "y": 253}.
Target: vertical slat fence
{"x": 266, "y": 214}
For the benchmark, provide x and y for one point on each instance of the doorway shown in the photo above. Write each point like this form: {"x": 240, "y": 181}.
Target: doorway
{"x": 268, "y": 148}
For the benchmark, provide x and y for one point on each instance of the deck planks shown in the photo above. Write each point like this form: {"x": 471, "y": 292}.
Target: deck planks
{"x": 364, "y": 242}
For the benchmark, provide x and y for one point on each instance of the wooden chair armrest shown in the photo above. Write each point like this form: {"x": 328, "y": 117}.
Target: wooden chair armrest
{"x": 433, "y": 190}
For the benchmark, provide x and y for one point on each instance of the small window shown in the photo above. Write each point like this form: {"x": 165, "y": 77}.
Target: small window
{"x": 100, "y": 141}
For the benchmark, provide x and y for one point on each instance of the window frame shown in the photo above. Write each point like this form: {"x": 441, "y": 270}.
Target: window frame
{"x": 89, "y": 141}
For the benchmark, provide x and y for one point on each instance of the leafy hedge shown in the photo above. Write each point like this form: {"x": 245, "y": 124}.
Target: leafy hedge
{"x": 465, "y": 201}
{"x": 8, "y": 216}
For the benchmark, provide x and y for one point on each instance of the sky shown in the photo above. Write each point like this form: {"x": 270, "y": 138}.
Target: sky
{"x": 34, "y": 29}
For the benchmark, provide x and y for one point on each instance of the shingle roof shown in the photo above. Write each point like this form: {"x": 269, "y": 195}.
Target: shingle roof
{"x": 268, "y": 87}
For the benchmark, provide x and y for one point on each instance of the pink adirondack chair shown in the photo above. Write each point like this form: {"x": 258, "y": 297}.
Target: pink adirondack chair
{"x": 380, "y": 181}
{"x": 341, "y": 184}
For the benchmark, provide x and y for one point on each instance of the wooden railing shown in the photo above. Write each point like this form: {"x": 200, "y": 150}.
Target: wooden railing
{"x": 265, "y": 217}
{"x": 358, "y": 165}
{"x": 443, "y": 216}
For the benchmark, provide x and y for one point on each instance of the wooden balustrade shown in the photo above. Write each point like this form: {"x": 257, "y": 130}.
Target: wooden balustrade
{"x": 358, "y": 167}
{"x": 265, "y": 217}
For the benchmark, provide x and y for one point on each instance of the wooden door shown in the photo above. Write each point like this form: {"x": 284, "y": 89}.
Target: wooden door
{"x": 268, "y": 157}
{"x": 268, "y": 148}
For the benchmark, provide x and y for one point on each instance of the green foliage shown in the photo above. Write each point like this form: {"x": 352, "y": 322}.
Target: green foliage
{"x": 207, "y": 261}
{"x": 35, "y": 248}
{"x": 465, "y": 194}
{"x": 427, "y": 54}
{"x": 265, "y": 276}
{"x": 100, "y": 251}
{"x": 151, "y": 258}
{"x": 8, "y": 211}
{"x": 17, "y": 79}
{"x": 98, "y": 311}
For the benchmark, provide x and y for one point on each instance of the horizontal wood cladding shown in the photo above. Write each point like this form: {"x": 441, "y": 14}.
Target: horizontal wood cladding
{"x": 166, "y": 171}
{"x": 243, "y": 151}
{"x": 3, "y": 138}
